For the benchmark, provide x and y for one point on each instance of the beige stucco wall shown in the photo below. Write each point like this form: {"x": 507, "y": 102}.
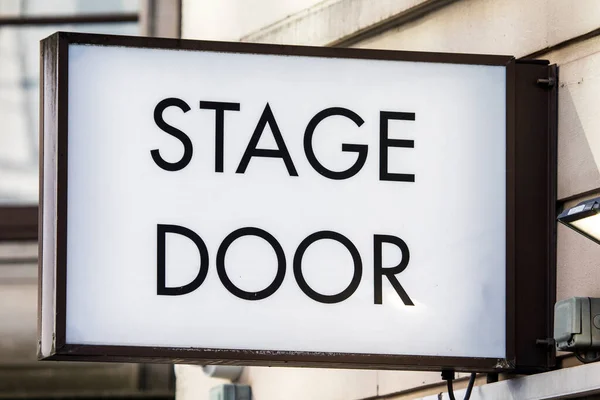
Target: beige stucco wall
{"x": 233, "y": 19}
{"x": 556, "y": 30}
{"x": 513, "y": 27}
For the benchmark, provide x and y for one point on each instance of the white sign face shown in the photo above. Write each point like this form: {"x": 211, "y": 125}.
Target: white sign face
{"x": 287, "y": 203}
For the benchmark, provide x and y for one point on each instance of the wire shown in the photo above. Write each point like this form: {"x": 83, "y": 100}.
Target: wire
{"x": 450, "y": 389}
{"x": 470, "y": 386}
{"x": 448, "y": 376}
{"x": 586, "y": 360}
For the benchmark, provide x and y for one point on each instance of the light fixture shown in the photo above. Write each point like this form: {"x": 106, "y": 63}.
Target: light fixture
{"x": 584, "y": 218}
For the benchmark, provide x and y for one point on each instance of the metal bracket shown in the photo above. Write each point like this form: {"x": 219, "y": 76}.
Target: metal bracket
{"x": 550, "y": 342}
{"x": 548, "y": 82}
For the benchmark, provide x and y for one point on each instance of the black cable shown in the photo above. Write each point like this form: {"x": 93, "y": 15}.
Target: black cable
{"x": 470, "y": 386}
{"x": 448, "y": 376}
{"x": 450, "y": 389}
{"x": 586, "y": 360}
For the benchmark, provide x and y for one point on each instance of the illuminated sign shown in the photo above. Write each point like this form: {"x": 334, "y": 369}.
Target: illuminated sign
{"x": 272, "y": 204}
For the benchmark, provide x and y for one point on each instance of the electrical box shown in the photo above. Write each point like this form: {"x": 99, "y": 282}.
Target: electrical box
{"x": 577, "y": 324}
{"x": 231, "y": 391}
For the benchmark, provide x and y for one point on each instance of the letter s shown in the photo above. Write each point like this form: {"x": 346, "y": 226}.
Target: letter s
{"x": 185, "y": 140}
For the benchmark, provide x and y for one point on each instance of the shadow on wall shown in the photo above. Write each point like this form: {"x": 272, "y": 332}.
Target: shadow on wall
{"x": 578, "y": 258}
{"x": 578, "y": 131}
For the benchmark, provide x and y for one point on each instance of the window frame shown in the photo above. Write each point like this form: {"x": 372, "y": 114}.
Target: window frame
{"x": 18, "y": 222}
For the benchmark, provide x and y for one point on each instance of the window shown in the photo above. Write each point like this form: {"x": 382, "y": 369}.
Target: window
{"x": 23, "y": 23}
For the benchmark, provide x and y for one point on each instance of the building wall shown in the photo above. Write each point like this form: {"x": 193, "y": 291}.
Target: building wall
{"x": 565, "y": 32}
{"x": 233, "y": 19}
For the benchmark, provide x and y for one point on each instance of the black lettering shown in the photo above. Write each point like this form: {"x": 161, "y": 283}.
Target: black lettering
{"x": 321, "y": 298}
{"x": 185, "y": 140}
{"x": 360, "y": 149}
{"x": 220, "y": 109}
{"x": 161, "y": 256}
{"x": 385, "y": 142}
{"x": 390, "y": 273}
{"x": 242, "y": 294}
{"x": 267, "y": 117}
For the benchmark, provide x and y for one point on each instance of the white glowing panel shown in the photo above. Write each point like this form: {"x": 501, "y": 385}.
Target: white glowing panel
{"x": 589, "y": 225}
{"x": 446, "y": 128}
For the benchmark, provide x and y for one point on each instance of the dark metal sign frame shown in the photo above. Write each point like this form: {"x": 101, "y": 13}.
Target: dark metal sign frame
{"x": 530, "y": 213}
